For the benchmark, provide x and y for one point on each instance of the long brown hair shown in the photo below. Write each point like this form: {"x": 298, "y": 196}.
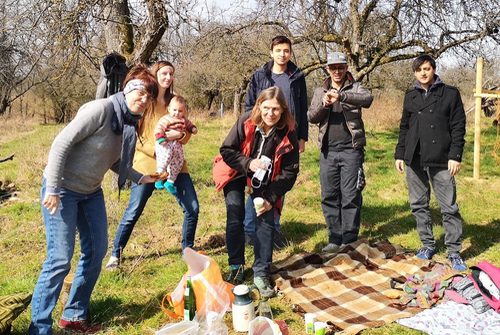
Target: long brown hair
{"x": 286, "y": 118}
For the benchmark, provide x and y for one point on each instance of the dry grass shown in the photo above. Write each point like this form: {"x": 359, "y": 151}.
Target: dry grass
{"x": 385, "y": 111}
{"x": 14, "y": 127}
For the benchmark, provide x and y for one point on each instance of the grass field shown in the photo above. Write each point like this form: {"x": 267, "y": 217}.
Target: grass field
{"x": 128, "y": 301}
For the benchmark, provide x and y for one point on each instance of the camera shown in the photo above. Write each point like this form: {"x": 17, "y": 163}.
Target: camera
{"x": 260, "y": 174}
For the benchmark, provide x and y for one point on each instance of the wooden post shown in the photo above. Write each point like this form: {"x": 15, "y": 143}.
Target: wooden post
{"x": 477, "y": 117}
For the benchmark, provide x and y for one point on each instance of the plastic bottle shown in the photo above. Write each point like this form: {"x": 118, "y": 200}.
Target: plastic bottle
{"x": 189, "y": 301}
{"x": 265, "y": 310}
{"x": 215, "y": 324}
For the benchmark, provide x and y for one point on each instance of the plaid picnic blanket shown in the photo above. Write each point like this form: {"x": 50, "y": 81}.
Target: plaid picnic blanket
{"x": 346, "y": 288}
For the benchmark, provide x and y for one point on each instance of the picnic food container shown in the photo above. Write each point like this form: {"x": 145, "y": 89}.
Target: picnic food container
{"x": 243, "y": 308}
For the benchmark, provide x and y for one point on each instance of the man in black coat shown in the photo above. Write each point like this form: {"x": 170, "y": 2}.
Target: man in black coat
{"x": 431, "y": 142}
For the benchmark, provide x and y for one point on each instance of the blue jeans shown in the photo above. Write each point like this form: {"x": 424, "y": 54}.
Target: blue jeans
{"x": 251, "y": 217}
{"x": 340, "y": 199}
{"x": 87, "y": 214}
{"x": 443, "y": 184}
{"x": 234, "y": 194}
{"x": 139, "y": 195}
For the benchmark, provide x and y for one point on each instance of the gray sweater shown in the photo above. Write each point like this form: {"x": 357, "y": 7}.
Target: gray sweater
{"x": 85, "y": 150}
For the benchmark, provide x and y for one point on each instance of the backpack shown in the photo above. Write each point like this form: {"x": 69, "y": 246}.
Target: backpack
{"x": 113, "y": 72}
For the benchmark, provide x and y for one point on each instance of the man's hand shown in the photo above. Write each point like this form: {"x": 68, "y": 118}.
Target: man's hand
{"x": 267, "y": 207}
{"x": 453, "y": 167}
{"x": 302, "y": 145}
{"x": 51, "y": 202}
{"x": 330, "y": 97}
{"x": 400, "y": 165}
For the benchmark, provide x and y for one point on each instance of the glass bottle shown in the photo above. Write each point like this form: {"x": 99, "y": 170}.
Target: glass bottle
{"x": 265, "y": 310}
{"x": 189, "y": 301}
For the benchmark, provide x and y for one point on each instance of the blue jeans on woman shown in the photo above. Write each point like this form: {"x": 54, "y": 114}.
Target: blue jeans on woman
{"x": 139, "y": 195}
{"x": 234, "y": 194}
{"x": 87, "y": 214}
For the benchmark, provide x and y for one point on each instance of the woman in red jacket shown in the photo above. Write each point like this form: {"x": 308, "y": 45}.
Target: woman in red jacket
{"x": 263, "y": 149}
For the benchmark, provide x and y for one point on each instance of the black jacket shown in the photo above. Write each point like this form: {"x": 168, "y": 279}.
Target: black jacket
{"x": 437, "y": 122}
{"x": 262, "y": 79}
{"x": 282, "y": 147}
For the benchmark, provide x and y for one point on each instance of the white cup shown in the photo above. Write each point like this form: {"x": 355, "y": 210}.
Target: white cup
{"x": 319, "y": 328}
{"x": 309, "y": 320}
{"x": 258, "y": 203}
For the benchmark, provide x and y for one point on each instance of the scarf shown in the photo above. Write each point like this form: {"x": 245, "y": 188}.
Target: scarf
{"x": 124, "y": 123}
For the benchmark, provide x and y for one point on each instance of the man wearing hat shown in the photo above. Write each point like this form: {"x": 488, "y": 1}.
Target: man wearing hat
{"x": 336, "y": 109}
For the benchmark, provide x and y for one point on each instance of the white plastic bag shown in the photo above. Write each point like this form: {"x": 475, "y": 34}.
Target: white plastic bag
{"x": 180, "y": 328}
{"x": 263, "y": 326}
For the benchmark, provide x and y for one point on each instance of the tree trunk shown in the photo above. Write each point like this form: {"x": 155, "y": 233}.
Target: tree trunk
{"x": 119, "y": 32}
{"x": 239, "y": 93}
{"x": 4, "y": 104}
{"x": 155, "y": 28}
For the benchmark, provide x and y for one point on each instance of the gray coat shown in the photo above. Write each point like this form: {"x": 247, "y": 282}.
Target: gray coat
{"x": 353, "y": 96}
{"x": 84, "y": 150}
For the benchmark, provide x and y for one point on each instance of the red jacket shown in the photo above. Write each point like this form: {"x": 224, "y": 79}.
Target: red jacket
{"x": 238, "y": 151}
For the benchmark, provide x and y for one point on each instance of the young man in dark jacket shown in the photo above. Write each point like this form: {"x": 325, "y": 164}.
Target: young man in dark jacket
{"x": 431, "y": 143}
{"x": 283, "y": 73}
{"x": 336, "y": 108}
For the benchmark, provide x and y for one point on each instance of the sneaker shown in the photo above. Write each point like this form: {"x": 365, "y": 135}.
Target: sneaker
{"x": 426, "y": 253}
{"x": 170, "y": 187}
{"x": 457, "y": 263}
{"x": 330, "y": 247}
{"x": 79, "y": 326}
{"x": 113, "y": 263}
{"x": 159, "y": 185}
{"x": 236, "y": 274}
{"x": 264, "y": 287}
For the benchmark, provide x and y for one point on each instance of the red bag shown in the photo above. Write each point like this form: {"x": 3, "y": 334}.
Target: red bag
{"x": 221, "y": 173}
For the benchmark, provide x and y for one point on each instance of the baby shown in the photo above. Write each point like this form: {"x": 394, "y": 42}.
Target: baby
{"x": 170, "y": 154}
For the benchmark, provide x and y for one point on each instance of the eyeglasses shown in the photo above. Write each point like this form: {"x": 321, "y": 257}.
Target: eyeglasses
{"x": 274, "y": 110}
{"x": 336, "y": 68}
{"x": 143, "y": 94}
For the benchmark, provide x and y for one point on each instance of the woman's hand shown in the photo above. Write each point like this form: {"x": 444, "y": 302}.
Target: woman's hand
{"x": 51, "y": 202}
{"x": 256, "y": 164}
{"x": 148, "y": 178}
{"x": 174, "y": 135}
{"x": 267, "y": 207}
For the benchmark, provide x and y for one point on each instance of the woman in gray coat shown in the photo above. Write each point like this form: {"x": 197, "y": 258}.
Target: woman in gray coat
{"x": 99, "y": 138}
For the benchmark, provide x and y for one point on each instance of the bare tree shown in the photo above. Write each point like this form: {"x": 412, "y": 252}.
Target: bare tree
{"x": 377, "y": 32}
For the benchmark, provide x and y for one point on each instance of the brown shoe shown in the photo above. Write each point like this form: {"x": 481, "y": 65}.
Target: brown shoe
{"x": 79, "y": 326}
